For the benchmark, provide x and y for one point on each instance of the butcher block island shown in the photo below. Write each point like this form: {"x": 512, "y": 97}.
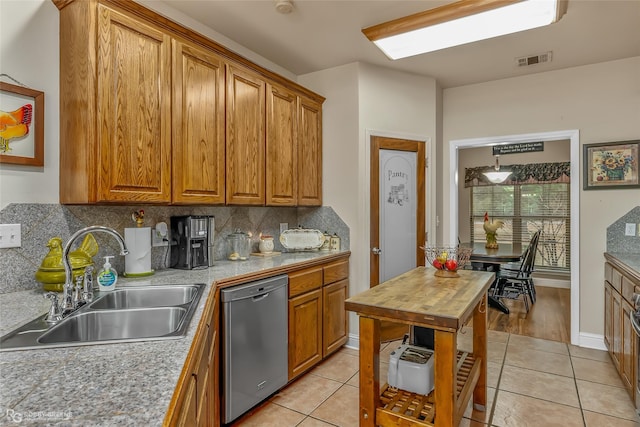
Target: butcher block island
{"x": 419, "y": 298}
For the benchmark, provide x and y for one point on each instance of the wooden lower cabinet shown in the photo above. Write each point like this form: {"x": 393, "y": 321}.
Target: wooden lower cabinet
{"x": 305, "y": 332}
{"x": 317, "y": 317}
{"x": 619, "y": 336}
{"x": 334, "y": 320}
{"x": 196, "y": 399}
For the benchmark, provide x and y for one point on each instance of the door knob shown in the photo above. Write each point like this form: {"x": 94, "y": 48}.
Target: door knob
{"x": 376, "y": 251}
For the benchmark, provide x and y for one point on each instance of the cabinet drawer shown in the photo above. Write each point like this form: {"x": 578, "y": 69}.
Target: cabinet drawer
{"x": 616, "y": 280}
{"x": 335, "y": 271}
{"x": 304, "y": 281}
{"x": 627, "y": 289}
{"x": 608, "y": 272}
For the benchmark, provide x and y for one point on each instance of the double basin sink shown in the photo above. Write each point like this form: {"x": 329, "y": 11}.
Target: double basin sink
{"x": 122, "y": 315}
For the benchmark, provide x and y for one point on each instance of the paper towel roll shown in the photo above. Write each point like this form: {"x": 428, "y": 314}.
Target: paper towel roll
{"x": 138, "y": 261}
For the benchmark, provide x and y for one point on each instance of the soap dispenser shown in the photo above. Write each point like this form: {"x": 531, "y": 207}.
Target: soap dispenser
{"x": 107, "y": 277}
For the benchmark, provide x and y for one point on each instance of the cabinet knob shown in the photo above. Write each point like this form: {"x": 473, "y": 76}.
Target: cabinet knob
{"x": 376, "y": 251}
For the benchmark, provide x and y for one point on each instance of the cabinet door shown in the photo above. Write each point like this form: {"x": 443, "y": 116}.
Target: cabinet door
{"x": 616, "y": 323}
{"x": 198, "y": 125}
{"x": 133, "y": 110}
{"x": 305, "y": 332}
{"x": 627, "y": 348}
{"x": 309, "y": 153}
{"x": 188, "y": 411}
{"x": 334, "y": 328}
{"x": 245, "y": 142}
{"x": 214, "y": 363}
{"x": 608, "y": 317}
{"x": 282, "y": 147}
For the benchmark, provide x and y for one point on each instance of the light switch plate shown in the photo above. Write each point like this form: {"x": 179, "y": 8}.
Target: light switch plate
{"x": 10, "y": 235}
{"x": 630, "y": 229}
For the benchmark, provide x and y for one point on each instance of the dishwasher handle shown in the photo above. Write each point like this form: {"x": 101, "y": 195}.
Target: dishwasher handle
{"x": 260, "y": 297}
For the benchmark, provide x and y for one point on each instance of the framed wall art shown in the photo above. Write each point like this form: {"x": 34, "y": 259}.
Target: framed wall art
{"x": 611, "y": 165}
{"x": 21, "y": 125}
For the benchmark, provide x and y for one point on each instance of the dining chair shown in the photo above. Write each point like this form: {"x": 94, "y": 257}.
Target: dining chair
{"x": 515, "y": 282}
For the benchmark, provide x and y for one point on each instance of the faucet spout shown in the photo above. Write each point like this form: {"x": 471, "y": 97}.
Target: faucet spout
{"x": 66, "y": 298}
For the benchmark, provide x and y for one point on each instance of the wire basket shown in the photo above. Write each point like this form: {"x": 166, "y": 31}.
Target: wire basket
{"x": 447, "y": 260}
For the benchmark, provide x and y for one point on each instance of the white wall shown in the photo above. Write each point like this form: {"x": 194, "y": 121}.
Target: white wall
{"x": 361, "y": 98}
{"x": 29, "y": 53}
{"x": 602, "y": 101}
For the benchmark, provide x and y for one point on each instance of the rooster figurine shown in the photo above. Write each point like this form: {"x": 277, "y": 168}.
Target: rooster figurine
{"x": 14, "y": 124}
{"x": 51, "y": 272}
{"x": 490, "y": 229}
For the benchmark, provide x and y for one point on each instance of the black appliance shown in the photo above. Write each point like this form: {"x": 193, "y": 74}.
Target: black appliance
{"x": 192, "y": 241}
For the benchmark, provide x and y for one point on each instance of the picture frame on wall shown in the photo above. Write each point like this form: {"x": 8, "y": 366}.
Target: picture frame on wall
{"x": 611, "y": 165}
{"x": 21, "y": 125}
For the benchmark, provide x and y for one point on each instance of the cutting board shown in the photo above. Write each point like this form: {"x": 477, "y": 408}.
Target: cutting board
{"x": 274, "y": 253}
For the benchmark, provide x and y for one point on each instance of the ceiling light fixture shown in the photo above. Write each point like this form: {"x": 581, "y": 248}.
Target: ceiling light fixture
{"x": 284, "y": 6}
{"x": 462, "y": 22}
{"x": 497, "y": 177}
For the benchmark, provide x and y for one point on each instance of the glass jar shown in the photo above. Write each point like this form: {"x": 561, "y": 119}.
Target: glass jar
{"x": 238, "y": 246}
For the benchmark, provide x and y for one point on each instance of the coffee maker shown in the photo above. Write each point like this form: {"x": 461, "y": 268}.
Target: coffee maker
{"x": 192, "y": 241}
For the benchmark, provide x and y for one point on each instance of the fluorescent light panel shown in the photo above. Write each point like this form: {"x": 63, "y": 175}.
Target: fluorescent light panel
{"x": 520, "y": 16}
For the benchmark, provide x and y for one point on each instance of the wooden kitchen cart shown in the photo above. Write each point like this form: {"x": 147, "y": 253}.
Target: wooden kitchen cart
{"x": 445, "y": 305}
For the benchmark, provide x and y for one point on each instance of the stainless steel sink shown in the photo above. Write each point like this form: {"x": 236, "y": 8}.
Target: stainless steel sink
{"x": 116, "y": 325}
{"x": 127, "y": 314}
{"x": 141, "y": 297}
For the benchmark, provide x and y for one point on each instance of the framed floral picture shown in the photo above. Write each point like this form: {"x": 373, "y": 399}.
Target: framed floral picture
{"x": 21, "y": 125}
{"x": 611, "y": 165}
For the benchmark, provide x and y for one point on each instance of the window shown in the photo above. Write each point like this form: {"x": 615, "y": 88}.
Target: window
{"x": 526, "y": 208}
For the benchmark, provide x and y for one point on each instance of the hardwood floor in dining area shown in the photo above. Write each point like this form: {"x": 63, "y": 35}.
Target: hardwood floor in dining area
{"x": 549, "y": 318}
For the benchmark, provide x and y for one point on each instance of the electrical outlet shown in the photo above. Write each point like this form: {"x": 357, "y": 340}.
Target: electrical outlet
{"x": 160, "y": 235}
{"x": 284, "y": 226}
{"x": 10, "y": 235}
{"x": 630, "y": 229}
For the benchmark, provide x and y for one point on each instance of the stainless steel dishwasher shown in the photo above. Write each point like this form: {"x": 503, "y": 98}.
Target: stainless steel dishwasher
{"x": 255, "y": 357}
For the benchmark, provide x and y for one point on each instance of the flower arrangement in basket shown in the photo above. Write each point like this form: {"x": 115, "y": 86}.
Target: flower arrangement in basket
{"x": 447, "y": 260}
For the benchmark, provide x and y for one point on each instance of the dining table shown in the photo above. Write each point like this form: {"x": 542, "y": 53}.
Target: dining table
{"x": 490, "y": 259}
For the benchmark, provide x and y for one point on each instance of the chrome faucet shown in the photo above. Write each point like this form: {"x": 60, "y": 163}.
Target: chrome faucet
{"x": 68, "y": 302}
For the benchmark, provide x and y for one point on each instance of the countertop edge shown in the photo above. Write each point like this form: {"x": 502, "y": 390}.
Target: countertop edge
{"x": 628, "y": 263}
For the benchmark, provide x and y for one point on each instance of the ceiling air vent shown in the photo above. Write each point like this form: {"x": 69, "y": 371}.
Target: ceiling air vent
{"x": 525, "y": 61}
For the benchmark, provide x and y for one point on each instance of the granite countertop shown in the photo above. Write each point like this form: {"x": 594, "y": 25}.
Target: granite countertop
{"x": 108, "y": 384}
{"x": 629, "y": 260}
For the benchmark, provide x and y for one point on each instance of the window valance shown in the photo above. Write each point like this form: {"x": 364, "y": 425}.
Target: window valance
{"x": 533, "y": 173}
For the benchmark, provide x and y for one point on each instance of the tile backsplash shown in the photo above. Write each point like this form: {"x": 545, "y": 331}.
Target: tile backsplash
{"x": 617, "y": 241}
{"x": 40, "y": 222}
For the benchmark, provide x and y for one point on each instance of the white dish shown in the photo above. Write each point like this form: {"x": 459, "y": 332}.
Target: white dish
{"x": 301, "y": 239}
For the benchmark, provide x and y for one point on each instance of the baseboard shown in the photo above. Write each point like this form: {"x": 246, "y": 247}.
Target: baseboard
{"x": 551, "y": 283}
{"x": 591, "y": 341}
{"x": 353, "y": 342}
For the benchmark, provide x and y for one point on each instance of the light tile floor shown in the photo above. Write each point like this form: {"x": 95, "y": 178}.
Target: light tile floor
{"x": 531, "y": 382}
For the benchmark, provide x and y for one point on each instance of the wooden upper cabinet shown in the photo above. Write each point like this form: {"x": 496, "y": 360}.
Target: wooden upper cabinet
{"x": 282, "y": 147}
{"x": 245, "y": 137}
{"x": 198, "y": 126}
{"x": 309, "y": 152}
{"x": 152, "y": 112}
{"x": 133, "y": 110}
